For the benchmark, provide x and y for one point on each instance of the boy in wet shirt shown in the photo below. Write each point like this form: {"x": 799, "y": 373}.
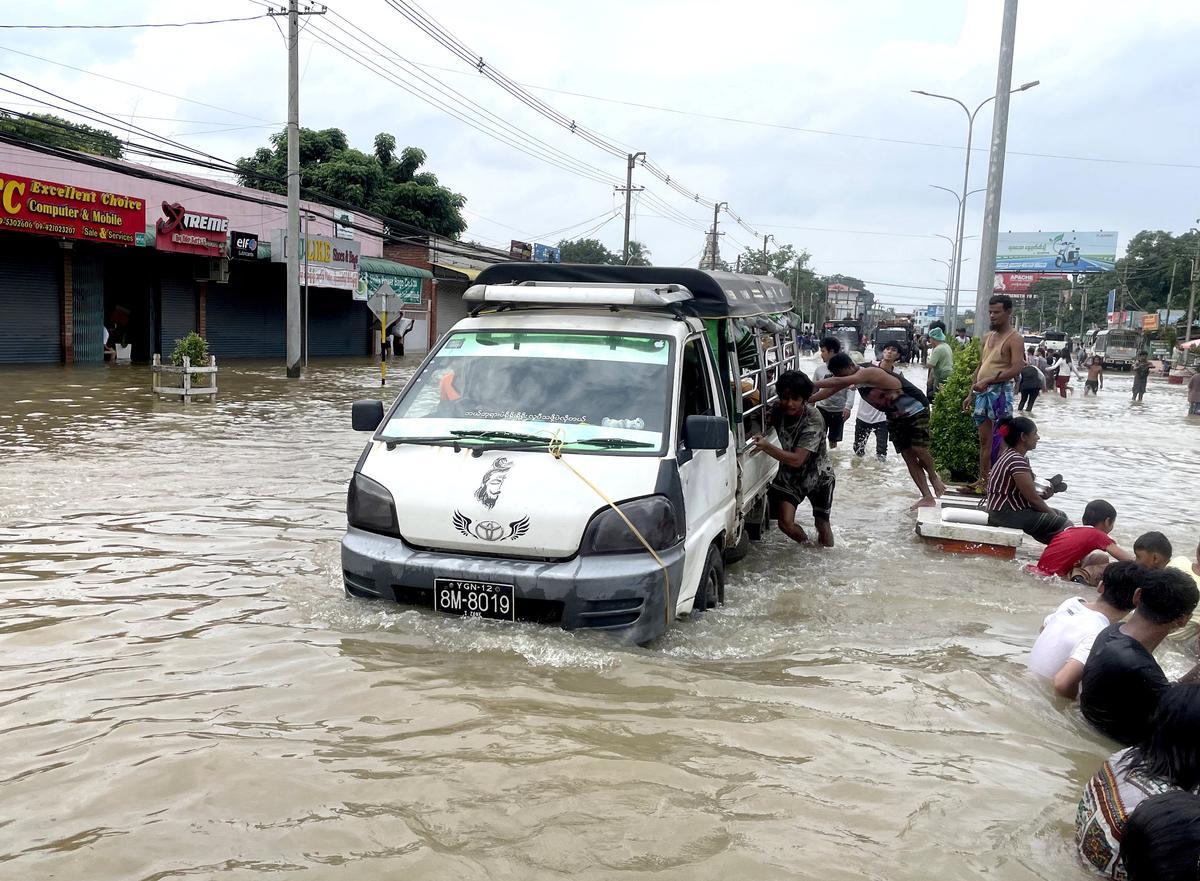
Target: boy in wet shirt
{"x": 805, "y": 471}
{"x": 1067, "y": 634}
{"x": 1081, "y": 553}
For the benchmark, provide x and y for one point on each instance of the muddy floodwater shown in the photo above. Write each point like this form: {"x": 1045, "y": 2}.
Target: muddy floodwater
{"x": 186, "y": 692}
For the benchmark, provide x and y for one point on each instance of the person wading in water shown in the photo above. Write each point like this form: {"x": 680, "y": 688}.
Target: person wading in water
{"x": 907, "y": 411}
{"x": 1002, "y": 359}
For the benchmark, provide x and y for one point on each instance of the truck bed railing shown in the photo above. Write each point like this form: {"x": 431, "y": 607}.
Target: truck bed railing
{"x": 780, "y": 353}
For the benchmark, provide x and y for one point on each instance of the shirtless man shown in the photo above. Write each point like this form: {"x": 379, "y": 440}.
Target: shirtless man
{"x": 907, "y": 411}
{"x": 1095, "y": 376}
{"x": 1002, "y": 358}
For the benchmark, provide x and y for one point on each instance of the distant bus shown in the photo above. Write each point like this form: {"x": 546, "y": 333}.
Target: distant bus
{"x": 1117, "y": 346}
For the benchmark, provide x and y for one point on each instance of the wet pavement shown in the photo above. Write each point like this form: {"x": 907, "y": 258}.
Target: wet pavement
{"x": 187, "y": 693}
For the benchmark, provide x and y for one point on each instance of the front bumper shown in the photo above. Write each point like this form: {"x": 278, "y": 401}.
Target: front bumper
{"x": 618, "y": 593}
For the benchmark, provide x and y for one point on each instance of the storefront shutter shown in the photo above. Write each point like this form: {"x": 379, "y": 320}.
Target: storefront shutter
{"x": 30, "y": 319}
{"x": 247, "y": 318}
{"x": 88, "y": 312}
{"x": 178, "y": 305}
{"x": 337, "y": 324}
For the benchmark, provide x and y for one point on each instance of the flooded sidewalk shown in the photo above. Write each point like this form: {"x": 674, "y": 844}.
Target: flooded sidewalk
{"x": 187, "y": 692}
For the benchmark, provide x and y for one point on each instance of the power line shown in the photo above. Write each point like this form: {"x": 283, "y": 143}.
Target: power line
{"x": 138, "y": 86}
{"x": 427, "y": 24}
{"x": 118, "y": 27}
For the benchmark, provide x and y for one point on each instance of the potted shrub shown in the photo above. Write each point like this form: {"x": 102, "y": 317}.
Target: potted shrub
{"x": 955, "y": 439}
{"x": 193, "y": 364}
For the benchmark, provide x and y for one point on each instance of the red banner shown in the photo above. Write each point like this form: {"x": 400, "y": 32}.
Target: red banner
{"x": 1021, "y": 282}
{"x": 45, "y": 208}
{"x": 191, "y": 232}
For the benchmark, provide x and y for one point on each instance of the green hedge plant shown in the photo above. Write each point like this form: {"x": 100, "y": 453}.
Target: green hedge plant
{"x": 955, "y": 443}
{"x": 194, "y": 347}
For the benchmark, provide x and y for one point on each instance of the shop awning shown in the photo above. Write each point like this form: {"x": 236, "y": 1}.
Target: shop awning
{"x": 470, "y": 273}
{"x": 379, "y": 266}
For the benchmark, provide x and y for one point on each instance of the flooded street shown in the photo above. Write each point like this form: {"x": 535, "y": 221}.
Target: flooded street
{"x": 186, "y": 692}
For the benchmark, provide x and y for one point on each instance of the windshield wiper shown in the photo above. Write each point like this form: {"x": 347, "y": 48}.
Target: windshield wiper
{"x": 611, "y": 443}
{"x": 501, "y": 435}
{"x": 427, "y": 441}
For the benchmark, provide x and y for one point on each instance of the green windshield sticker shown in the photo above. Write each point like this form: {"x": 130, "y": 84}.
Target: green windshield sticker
{"x": 579, "y": 346}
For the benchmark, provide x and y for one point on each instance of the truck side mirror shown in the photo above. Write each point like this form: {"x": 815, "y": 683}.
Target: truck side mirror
{"x": 366, "y": 415}
{"x": 706, "y": 433}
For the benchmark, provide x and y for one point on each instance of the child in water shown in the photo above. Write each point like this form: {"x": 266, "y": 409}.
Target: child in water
{"x": 1095, "y": 376}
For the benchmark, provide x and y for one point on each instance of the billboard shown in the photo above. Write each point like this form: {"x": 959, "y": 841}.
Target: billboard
{"x": 520, "y": 250}
{"x": 1056, "y": 251}
{"x": 545, "y": 254}
{"x": 45, "y": 208}
{"x": 324, "y": 262}
{"x": 1020, "y": 282}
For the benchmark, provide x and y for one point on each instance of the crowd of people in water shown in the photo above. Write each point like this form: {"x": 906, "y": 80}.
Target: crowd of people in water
{"x": 1139, "y": 816}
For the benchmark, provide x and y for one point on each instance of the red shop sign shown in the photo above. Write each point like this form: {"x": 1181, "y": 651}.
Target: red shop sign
{"x": 190, "y": 232}
{"x": 45, "y": 208}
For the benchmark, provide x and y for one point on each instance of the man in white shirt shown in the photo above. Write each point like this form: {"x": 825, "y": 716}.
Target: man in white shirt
{"x": 1063, "y": 646}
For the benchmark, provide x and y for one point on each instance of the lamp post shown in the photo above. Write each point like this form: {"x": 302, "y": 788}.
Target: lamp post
{"x": 956, "y": 244}
{"x": 962, "y": 202}
{"x": 766, "y": 238}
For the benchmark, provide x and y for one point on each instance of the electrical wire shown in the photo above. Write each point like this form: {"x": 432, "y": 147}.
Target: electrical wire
{"x": 138, "y": 86}
{"x": 118, "y": 27}
{"x": 519, "y": 143}
{"x": 424, "y": 22}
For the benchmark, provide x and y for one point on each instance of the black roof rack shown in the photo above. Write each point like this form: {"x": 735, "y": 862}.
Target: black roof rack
{"x": 714, "y": 294}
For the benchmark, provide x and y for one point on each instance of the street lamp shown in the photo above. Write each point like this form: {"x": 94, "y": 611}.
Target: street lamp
{"x": 956, "y": 244}
{"x": 962, "y": 204}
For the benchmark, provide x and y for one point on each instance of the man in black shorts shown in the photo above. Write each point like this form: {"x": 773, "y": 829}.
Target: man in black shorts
{"x": 907, "y": 410}
{"x": 804, "y": 468}
{"x": 1122, "y": 682}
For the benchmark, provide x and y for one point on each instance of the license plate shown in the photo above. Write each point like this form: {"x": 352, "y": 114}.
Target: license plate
{"x": 479, "y": 598}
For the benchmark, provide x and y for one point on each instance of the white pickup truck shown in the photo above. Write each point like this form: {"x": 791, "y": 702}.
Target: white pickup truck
{"x": 576, "y": 452}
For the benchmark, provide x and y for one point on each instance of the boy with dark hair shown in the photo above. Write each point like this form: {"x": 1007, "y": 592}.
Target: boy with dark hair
{"x": 907, "y": 410}
{"x": 1067, "y": 634}
{"x": 804, "y": 468}
{"x": 1152, "y": 550}
{"x": 1071, "y": 552}
{"x": 834, "y": 407}
{"x": 1121, "y": 681}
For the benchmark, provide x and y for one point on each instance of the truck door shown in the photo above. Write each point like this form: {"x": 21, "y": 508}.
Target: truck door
{"x": 707, "y": 476}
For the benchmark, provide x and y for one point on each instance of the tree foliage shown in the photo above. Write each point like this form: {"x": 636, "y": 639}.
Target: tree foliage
{"x": 380, "y": 181}
{"x": 53, "y": 131}
{"x": 955, "y": 439}
{"x": 594, "y": 251}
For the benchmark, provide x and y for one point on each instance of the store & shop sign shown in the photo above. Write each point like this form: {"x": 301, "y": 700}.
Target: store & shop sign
{"x": 330, "y": 263}
{"x": 190, "y": 232}
{"x": 406, "y": 289}
{"x": 45, "y": 208}
{"x": 243, "y": 245}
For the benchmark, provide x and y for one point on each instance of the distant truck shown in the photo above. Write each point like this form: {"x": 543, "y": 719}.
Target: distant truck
{"x": 848, "y": 332}
{"x": 899, "y": 332}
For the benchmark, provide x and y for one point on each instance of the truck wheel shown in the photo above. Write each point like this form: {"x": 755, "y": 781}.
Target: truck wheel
{"x": 739, "y": 551}
{"x": 711, "y": 590}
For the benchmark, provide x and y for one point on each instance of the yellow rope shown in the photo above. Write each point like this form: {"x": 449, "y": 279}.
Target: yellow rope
{"x": 555, "y": 448}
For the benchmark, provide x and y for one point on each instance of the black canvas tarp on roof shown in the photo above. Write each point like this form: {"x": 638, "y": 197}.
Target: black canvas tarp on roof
{"x": 714, "y": 294}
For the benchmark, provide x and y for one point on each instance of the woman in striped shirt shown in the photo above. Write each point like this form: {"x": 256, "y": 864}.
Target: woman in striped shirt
{"x": 1012, "y": 499}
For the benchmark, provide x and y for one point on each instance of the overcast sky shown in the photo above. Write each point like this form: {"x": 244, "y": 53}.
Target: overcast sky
{"x": 1119, "y": 82}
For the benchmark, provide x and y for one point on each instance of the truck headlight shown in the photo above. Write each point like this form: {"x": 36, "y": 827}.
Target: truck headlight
{"x": 370, "y": 506}
{"x": 654, "y": 517}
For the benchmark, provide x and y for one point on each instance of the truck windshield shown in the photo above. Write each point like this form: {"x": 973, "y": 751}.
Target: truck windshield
{"x": 569, "y": 385}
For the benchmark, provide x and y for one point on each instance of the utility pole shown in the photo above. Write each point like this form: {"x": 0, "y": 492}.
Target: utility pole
{"x": 1187, "y": 332}
{"x": 292, "y": 246}
{"x": 628, "y": 191}
{"x": 712, "y": 249}
{"x": 766, "y": 266}
{"x": 995, "y": 183}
